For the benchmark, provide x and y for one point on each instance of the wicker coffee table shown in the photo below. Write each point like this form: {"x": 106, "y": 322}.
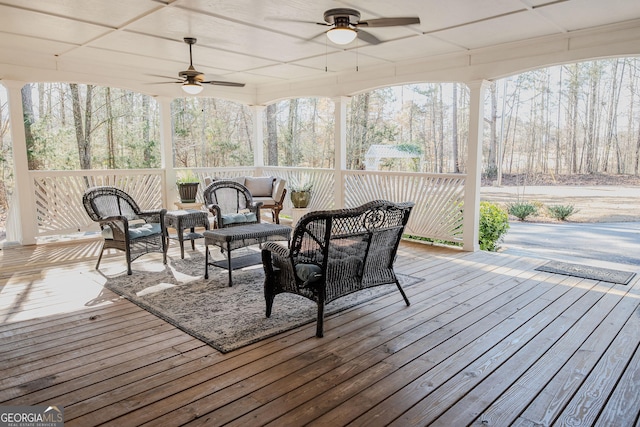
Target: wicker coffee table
{"x": 231, "y": 238}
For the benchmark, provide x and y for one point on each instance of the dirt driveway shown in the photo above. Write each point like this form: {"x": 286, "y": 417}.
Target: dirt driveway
{"x": 608, "y": 203}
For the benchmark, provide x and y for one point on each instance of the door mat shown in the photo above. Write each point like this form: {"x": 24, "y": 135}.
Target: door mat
{"x": 588, "y": 272}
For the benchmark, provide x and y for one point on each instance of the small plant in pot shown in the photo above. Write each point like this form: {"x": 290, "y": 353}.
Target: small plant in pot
{"x": 300, "y": 194}
{"x": 188, "y": 187}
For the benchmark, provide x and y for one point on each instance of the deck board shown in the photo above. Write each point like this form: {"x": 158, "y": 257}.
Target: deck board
{"x": 487, "y": 340}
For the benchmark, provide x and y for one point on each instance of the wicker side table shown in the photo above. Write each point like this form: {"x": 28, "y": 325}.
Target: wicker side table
{"x": 185, "y": 219}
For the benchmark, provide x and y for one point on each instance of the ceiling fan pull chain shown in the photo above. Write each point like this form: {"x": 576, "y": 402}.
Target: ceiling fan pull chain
{"x": 326, "y": 54}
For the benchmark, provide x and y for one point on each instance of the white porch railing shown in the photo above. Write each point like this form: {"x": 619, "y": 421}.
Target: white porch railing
{"x": 58, "y": 195}
{"x": 438, "y": 198}
{"x": 438, "y": 213}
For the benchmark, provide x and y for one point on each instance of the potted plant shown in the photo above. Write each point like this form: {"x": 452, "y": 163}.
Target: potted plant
{"x": 188, "y": 187}
{"x": 300, "y": 194}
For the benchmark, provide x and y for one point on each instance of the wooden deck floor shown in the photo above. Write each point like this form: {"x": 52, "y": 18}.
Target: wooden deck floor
{"x": 487, "y": 340}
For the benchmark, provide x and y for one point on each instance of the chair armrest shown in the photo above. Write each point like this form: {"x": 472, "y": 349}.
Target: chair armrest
{"x": 114, "y": 218}
{"x": 278, "y": 268}
{"x": 214, "y": 209}
{"x": 277, "y": 249}
{"x": 119, "y": 232}
{"x": 153, "y": 215}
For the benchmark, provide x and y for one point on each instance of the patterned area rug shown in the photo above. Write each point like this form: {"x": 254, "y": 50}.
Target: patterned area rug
{"x": 588, "y": 272}
{"x": 223, "y": 317}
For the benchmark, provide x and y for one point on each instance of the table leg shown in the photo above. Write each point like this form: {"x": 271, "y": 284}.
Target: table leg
{"x": 206, "y": 261}
{"x": 229, "y": 263}
{"x": 193, "y": 241}
{"x": 181, "y": 240}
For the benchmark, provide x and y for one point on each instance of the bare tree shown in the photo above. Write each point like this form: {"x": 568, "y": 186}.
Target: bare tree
{"x": 492, "y": 166}
{"x": 358, "y": 130}
{"x": 454, "y": 130}
{"x": 27, "y": 104}
{"x": 83, "y": 130}
{"x": 111, "y": 147}
{"x": 272, "y": 135}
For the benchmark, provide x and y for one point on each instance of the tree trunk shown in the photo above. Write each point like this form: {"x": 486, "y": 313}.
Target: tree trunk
{"x": 111, "y": 146}
{"x": 292, "y": 146}
{"x": 591, "y": 135}
{"x": 573, "y": 110}
{"x": 358, "y": 131}
{"x": 272, "y": 135}
{"x": 493, "y": 139}
{"x": 454, "y": 130}
{"x": 27, "y": 103}
{"x": 82, "y": 134}
{"x": 146, "y": 128}
{"x": 611, "y": 141}
{"x": 637, "y": 159}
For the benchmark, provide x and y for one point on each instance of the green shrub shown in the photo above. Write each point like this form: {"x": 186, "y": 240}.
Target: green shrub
{"x": 561, "y": 212}
{"x": 522, "y": 210}
{"x": 494, "y": 224}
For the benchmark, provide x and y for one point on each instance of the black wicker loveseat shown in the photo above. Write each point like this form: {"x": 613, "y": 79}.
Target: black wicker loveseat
{"x": 334, "y": 253}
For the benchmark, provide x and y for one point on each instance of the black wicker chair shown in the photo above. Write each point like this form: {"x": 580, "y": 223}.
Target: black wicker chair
{"x": 124, "y": 225}
{"x": 335, "y": 253}
{"x": 231, "y": 204}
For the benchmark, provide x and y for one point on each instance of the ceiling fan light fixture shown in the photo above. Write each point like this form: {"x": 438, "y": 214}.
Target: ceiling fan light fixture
{"x": 193, "y": 88}
{"x": 342, "y": 35}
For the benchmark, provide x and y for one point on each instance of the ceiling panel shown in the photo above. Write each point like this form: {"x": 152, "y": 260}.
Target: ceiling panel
{"x": 177, "y": 52}
{"x": 112, "y": 13}
{"x": 265, "y": 12}
{"x": 411, "y": 48}
{"x": 47, "y": 27}
{"x": 28, "y": 45}
{"x": 176, "y": 23}
{"x": 506, "y": 29}
{"x": 438, "y": 14}
{"x": 581, "y": 14}
{"x": 281, "y": 72}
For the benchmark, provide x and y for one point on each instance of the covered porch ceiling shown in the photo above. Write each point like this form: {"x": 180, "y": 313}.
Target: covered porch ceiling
{"x": 122, "y": 43}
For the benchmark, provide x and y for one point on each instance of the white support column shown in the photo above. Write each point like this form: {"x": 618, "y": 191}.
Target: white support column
{"x": 340, "y": 148}
{"x": 474, "y": 166}
{"x": 166, "y": 154}
{"x": 23, "y": 192}
{"x": 258, "y": 137}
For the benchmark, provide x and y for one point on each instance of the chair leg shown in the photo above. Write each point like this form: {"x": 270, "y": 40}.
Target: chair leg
{"x": 269, "y": 293}
{"x": 406, "y": 300}
{"x": 165, "y": 249}
{"x": 268, "y": 298}
{"x": 128, "y": 255}
{"x": 100, "y": 257}
{"x": 320, "y": 321}
{"x": 206, "y": 261}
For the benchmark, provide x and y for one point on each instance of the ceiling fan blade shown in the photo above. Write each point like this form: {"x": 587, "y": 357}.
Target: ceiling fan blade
{"x": 388, "y": 22}
{"x": 301, "y": 21}
{"x": 166, "y": 77}
{"x": 368, "y": 37}
{"x": 221, "y": 83}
